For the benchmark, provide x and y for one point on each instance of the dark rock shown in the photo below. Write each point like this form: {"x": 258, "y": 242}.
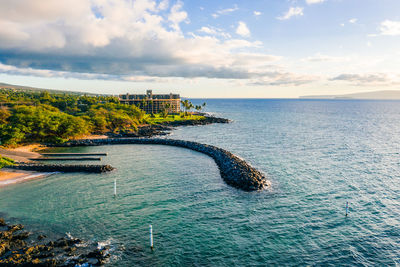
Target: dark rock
{"x": 16, "y": 227}
{"x": 2, "y": 222}
{"x": 70, "y": 250}
{"x": 62, "y": 168}
{"x": 165, "y": 127}
{"x": 20, "y": 236}
{"x": 14, "y": 251}
{"x": 205, "y": 121}
{"x": 41, "y": 237}
{"x": 51, "y": 262}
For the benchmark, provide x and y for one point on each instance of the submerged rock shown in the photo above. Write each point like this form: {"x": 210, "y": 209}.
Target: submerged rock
{"x": 14, "y": 251}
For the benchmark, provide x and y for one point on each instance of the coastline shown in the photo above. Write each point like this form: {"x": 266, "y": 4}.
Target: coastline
{"x": 23, "y": 154}
{"x": 20, "y": 154}
{"x": 11, "y": 176}
{"x": 22, "y": 247}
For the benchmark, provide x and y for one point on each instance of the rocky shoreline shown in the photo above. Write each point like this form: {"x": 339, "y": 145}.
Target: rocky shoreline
{"x": 235, "y": 171}
{"x": 23, "y": 248}
{"x": 166, "y": 127}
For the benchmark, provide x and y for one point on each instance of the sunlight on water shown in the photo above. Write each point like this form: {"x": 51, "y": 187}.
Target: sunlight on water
{"x": 317, "y": 154}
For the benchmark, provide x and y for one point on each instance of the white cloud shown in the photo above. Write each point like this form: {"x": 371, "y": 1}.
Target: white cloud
{"x": 353, "y": 20}
{"x": 214, "y": 31}
{"x": 242, "y": 29}
{"x": 310, "y": 2}
{"x": 325, "y": 58}
{"x": 177, "y": 15}
{"x": 163, "y": 5}
{"x": 292, "y": 12}
{"x": 369, "y": 79}
{"x": 208, "y": 30}
{"x": 390, "y": 27}
{"x": 225, "y": 11}
{"x": 125, "y": 40}
{"x": 279, "y": 78}
{"x": 257, "y": 13}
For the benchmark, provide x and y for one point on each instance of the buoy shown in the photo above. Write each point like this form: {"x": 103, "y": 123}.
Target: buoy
{"x": 347, "y": 208}
{"x": 115, "y": 187}
{"x": 151, "y": 237}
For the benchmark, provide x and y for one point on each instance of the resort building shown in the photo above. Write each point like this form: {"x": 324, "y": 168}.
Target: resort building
{"x": 153, "y": 103}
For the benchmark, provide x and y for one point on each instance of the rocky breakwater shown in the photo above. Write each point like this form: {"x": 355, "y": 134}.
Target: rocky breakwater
{"x": 62, "y": 168}
{"x": 23, "y": 248}
{"x": 205, "y": 121}
{"x": 235, "y": 171}
{"x": 165, "y": 128}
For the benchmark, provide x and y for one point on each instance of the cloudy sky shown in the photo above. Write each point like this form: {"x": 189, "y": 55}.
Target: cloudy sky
{"x": 202, "y": 48}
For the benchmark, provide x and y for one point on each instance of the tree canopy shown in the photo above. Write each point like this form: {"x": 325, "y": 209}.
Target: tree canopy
{"x": 43, "y": 117}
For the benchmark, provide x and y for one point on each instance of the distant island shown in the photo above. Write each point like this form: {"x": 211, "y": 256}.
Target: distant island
{"x": 376, "y": 95}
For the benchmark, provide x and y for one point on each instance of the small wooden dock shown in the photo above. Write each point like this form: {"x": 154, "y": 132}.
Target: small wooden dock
{"x": 72, "y": 154}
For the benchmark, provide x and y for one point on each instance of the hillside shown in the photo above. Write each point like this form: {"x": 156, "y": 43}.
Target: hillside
{"x": 34, "y": 89}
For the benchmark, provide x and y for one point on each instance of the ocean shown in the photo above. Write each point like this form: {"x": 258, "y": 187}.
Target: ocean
{"x": 317, "y": 154}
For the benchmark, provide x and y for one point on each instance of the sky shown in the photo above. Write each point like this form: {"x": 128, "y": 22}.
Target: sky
{"x": 202, "y": 48}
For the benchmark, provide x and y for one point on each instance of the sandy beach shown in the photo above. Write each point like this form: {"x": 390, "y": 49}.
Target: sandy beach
{"x": 10, "y": 176}
{"x": 23, "y": 153}
{"x": 20, "y": 154}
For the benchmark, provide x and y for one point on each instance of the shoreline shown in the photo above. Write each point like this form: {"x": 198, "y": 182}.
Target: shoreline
{"x": 12, "y": 176}
{"x": 24, "y": 247}
{"x": 23, "y": 154}
{"x": 20, "y": 154}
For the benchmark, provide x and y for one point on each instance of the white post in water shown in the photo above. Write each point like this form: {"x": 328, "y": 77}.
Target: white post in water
{"x": 115, "y": 187}
{"x": 151, "y": 237}
{"x": 347, "y": 208}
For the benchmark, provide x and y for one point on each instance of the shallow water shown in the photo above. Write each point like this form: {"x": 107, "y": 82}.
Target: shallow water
{"x": 317, "y": 155}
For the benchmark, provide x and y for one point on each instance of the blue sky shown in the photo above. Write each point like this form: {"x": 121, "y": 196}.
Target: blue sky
{"x": 258, "y": 48}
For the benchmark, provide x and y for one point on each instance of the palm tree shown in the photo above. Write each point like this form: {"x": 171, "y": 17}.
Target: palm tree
{"x": 165, "y": 110}
{"x": 185, "y": 104}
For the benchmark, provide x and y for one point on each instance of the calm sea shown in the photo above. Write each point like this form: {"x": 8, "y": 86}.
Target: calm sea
{"x": 318, "y": 155}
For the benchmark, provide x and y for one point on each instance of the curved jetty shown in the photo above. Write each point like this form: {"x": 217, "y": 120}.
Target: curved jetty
{"x": 235, "y": 171}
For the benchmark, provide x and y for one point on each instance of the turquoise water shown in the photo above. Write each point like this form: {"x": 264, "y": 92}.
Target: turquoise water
{"x": 317, "y": 155}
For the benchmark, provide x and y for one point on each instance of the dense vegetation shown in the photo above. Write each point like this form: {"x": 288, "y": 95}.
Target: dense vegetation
{"x": 5, "y": 162}
{"x": 29, "y": 116}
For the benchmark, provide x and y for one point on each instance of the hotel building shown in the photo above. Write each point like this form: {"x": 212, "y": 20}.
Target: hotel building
{"x": 153, "y": 103}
